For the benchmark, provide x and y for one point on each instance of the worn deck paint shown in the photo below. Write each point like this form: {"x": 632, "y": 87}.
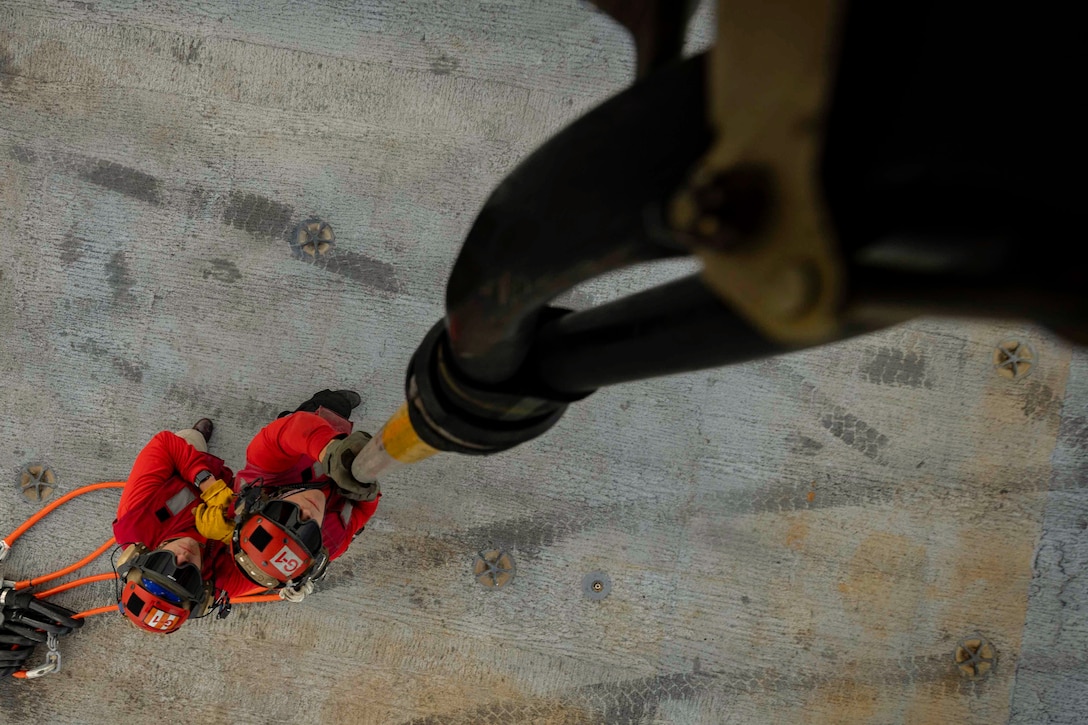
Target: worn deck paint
{"x": 803, "y": 539}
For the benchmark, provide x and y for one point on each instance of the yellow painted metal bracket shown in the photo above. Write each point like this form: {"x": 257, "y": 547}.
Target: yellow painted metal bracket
{"x": 768, "y": 90}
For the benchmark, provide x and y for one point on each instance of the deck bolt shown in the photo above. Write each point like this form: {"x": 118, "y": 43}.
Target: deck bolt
{"x": 596, "y": 585}
{"x": 975, "y": 656}
{"x": 312, "y": 239}
{"x": 493, "y": 568}
{"x": 36, "y": 481}
{"x": 1014, "y": 359}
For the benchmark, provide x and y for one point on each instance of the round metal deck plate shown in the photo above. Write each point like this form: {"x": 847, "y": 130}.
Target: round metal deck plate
{"x": 312, "y": 239}
{"x": 36, "y": 482}
{"x": 975, "y": 656}
{"x": 1013, "y": 359}
{"x": 493, "y": 568}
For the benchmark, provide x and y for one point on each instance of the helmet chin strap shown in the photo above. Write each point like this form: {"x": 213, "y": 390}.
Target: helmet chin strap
{"x": 286, "y": 491}
{"x": 128, "y": 557}
{"x": 211, "y": 602}
{"x": 255, "y": 496}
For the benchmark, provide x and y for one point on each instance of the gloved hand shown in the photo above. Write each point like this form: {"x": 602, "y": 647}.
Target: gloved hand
{"x": 298, "y": 592}
{"x": 339, "y": 455}
{"x": 211, "y": 516}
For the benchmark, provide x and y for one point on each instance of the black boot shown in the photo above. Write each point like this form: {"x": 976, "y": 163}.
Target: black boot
{"x": 341, "y": 402}
{"x": 205, "y": 427}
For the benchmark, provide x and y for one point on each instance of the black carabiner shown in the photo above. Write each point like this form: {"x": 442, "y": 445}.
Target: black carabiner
{"x": 23, "y": 618}
{"x": 6, "y": 638}
{"x": 16, "y": 655}
{"x": 59, "y": 614}
{"x": 26, "y": 632}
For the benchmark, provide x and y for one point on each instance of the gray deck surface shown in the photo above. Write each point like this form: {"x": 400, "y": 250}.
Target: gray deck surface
{"x": 803, "y": 539}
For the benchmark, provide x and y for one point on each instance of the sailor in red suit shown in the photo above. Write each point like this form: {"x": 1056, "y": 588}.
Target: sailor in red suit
{"x": 174, "y": 484}
{"x": 298, "y": 506}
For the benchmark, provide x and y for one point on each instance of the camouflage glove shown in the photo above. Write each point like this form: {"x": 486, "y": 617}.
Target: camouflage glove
{"x": 338, "y": 459}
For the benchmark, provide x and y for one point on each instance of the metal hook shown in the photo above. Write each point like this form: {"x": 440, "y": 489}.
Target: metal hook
{"x": 52, "y": 661}
{"x": 52, "y": 664}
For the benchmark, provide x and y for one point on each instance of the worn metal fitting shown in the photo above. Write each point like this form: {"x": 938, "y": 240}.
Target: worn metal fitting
{"x": 596, "y": 585}
{"x": 450, "y": 412}
{"x": 975, "y": 656}
{"x": 52, "y": 660}
{"x": 52, "y": 664}
{"x": 728, "y": 210}
{"x": 312, "y": 239}
{"x": 1013, "y": 359}
{"x": 36, "y": 481}
{"x": 493, "y": 568}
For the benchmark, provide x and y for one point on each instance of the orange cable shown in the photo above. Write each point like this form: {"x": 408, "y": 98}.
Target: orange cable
{"x": 10, "y": 539}
{"x": 93, "y": 612}
{"x": 26, "y": 583}
{"x": 253, "y": 599}
{"x": 76, "y": 583}
{"x": 86, "y": 560}
{"x": 113, "y": 608}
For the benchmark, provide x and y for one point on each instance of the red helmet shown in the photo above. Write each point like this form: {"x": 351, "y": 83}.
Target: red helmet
{"x": 273, "y": 545}
{"x": 158, "y": 595}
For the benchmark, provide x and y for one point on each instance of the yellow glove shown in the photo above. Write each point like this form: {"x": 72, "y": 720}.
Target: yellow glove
{"x": 210, "y": 516}
{"x": 217, "y": 494}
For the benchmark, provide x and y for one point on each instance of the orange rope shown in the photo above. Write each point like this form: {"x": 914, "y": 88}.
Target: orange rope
{"x": 10, "y": 539}
{"x": 66, "y": 570}
{"x": 76, "y": 583}
{"x": 26, "y": 583}
{"x": 113, "y": 607}
{"x": 93, "y": 612}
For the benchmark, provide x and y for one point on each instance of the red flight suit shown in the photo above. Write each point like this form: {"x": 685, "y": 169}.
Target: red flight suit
{"x": 159, "y": 498}
{"x": 283, "y": 453}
